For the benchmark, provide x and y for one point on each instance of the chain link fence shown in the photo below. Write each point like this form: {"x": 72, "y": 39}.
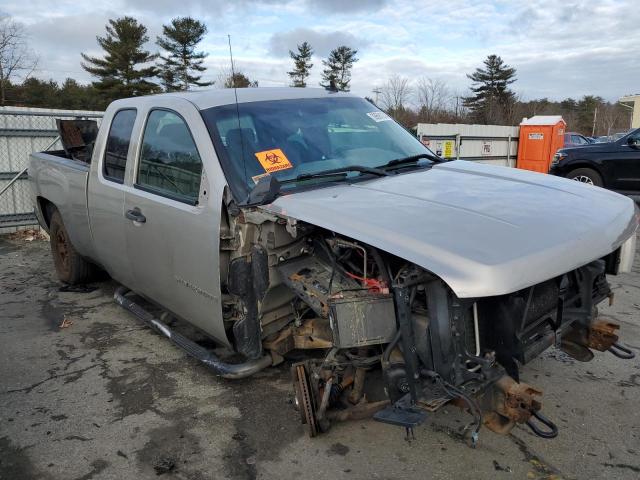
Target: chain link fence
{"x": 23, "y": 131}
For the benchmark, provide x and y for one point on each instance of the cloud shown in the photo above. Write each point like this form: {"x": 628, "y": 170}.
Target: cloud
{"x": 322, "y": 42}
{"x": 572, "y": 49}
{"x": 212, "y": 7}
{"x": 348, "y": 6}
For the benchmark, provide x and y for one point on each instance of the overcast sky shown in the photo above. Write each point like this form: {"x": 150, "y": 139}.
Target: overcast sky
{"x": 559, "y": 49}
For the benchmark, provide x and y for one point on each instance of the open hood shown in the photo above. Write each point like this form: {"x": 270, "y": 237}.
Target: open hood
{"x": 484, "y": 230}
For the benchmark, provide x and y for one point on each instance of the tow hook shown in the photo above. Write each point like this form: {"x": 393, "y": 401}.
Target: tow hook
{"x": 552, "y": 431}
{"x": 621, "y": 351}
{"x": 602, "y": 336}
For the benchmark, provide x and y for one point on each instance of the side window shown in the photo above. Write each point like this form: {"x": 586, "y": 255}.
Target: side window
{"x": 115, "y": 157}
{"x": 169, "y": 162}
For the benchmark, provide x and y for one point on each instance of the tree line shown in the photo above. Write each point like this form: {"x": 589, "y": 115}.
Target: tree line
{"x": 127, "y": 68}
{"x": 491, "y": 101}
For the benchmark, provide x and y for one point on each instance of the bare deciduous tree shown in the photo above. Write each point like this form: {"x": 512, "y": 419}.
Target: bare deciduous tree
{"x": 396, "y": 93}
{"x": 609, "y": 116}
{"x": 433, "y": 97}
{"x": 17, "y": 60}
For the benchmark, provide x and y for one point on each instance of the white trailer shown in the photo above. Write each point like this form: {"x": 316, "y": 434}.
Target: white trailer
{"x": 493, "y": 144}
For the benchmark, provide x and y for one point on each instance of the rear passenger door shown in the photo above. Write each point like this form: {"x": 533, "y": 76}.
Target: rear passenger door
{"x": 172, "y": 229}
{"x": 106, "y": 195}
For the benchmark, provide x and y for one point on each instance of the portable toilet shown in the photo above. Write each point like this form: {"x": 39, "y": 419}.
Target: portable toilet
{"x": 540, "y": 138}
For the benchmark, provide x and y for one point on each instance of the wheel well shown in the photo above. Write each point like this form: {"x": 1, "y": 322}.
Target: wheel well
{"x": 590, "y": 166}
{"x": 46, "y": 208}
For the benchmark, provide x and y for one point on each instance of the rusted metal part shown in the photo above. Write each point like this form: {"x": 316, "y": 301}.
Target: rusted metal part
{"x": 497, "y": 423}
{"x": 602, "y": 335}
{"x": 324, "y": 403}
{"x": 280, "y": 343}
{"x": 519, "y": 400}
{"x": 311, "y": 292}
{"x": 358, "y": 385}
{"x": 509, "y": 403}
{"x": 305, "y": 400}
{"x": 313, "y": 333}
{"x": 358, "y": 412}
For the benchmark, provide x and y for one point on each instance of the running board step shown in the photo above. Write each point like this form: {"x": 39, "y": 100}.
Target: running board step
{"x": 223, "y": 369}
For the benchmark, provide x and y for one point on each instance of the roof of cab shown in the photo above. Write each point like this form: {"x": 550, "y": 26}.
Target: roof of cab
{"x": 204, "y": 99}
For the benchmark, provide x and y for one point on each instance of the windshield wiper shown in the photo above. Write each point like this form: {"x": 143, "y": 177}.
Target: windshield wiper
{"x": 413, "y": 159}
{"x": 340, "y": 171}
{"x": 268, "y": 188}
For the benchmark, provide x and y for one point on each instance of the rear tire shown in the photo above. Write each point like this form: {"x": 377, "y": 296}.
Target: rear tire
{"x": 586, "y": 175}
{"x": 70, "y": 266}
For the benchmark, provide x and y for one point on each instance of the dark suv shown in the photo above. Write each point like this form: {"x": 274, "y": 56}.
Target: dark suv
{"x": 613, "y": 165}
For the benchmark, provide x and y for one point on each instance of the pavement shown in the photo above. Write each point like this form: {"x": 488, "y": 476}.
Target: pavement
{"x": 88, "y": 392}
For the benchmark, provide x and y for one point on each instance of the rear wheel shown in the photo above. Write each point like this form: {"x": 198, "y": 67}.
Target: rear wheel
{"x": 586, "y": 175}
{"x": 70, "y": 266}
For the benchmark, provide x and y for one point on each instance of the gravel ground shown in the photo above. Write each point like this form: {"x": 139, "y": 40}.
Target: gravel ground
{"x": 104, "y": 397}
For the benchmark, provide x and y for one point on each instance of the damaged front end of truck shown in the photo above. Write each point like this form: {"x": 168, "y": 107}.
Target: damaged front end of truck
{"x": 387, "y": 338}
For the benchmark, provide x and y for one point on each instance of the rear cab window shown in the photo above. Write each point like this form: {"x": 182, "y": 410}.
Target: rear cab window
{"x": 169, "y": 163}
{"x": 118, "y": 140}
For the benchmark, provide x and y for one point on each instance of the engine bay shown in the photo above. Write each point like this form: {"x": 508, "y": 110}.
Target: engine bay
{"x": 370, "y": 334}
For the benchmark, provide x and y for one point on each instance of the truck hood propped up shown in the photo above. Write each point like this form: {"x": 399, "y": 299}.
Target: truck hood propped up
{"x": 484, "y": 230}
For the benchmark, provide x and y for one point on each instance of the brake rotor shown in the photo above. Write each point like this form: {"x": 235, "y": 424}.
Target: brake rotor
{"x": 305, "y": 400}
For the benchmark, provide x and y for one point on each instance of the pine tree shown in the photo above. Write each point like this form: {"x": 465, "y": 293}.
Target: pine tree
{"x": 181, "y": 67}
{"x": 302, "y": 65}
{"x": 337, "y": 72}
{"x": 117, "y": 74}
{"x": 238, "y": 80}
{"x": 491, "y": 97}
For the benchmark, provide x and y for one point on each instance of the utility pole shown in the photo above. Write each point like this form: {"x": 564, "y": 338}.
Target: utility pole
{"x": 595, "y": 115}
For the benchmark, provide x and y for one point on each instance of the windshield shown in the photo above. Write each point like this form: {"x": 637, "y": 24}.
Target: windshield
{"x": 289, "y": 138}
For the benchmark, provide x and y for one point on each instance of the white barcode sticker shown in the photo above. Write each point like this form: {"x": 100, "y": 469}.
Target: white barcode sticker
{"x": 378, "y": 116}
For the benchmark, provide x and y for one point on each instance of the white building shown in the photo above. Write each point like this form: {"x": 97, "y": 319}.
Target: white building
{"x": 634, "y": 102}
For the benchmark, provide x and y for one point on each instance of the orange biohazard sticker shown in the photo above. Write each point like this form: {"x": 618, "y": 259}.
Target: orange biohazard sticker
{"x": 273, "y": 160}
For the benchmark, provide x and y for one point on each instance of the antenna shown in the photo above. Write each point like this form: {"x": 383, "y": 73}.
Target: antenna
{"x": 235, "y": 93}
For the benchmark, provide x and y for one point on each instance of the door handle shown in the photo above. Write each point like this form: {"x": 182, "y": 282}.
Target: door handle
{"x": 135, "y": 215}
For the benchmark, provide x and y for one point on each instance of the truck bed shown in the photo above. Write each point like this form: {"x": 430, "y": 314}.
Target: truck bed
{"x": 63, "y": 182}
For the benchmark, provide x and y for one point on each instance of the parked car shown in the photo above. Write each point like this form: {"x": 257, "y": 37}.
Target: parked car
{"x": 612, "y": 165}
{"x": 572, "y": 139}
{"x": 301, "y": 220}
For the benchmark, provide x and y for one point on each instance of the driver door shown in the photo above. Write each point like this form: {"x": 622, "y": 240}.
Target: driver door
{"x": 172, "y": 227}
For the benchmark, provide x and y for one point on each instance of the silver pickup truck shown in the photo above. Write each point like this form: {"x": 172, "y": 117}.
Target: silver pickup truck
{"x": 301, "y": 223}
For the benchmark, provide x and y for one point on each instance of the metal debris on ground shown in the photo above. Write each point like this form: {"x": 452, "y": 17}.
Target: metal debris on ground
{"x": 29, "y": 235}
{"x": 66, "y": 322}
